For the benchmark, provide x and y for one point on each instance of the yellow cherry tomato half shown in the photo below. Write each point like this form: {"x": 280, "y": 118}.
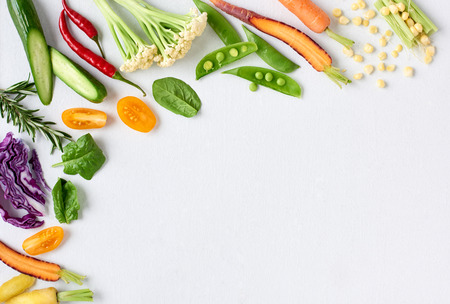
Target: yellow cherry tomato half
{"x": 136, "y": 114}
{"x": 83, "y": 118}
{"x": 43, "y": 241}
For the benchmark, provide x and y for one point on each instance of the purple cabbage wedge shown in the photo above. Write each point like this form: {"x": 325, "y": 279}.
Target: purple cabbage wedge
{"x": 20, "y": 188}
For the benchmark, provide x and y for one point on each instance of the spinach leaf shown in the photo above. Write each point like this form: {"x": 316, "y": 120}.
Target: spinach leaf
{"x": 65, "y": 201}
{"x": 83, "y": 157}
{"x": 176, "y": 96}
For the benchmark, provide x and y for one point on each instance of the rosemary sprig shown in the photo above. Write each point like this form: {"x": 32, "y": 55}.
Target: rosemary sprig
{"x": 24, "y": 119}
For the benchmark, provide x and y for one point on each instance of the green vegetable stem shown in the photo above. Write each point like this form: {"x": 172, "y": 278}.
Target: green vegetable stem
{"x": 219, "y": 23}
{"x": 269, "y": 78}
{"x": 223, "y": 56}
{"x": 65, "y": 201}
{"x": 269, "y": 54}
{"x": 176, "y": 96}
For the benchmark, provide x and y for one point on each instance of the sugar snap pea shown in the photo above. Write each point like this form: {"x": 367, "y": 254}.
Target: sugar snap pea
{"x": 223, "y": 56}
{"x": 219, "y": 23}
{"x": 269, "y": 54}
{"x": 270, "y": 78}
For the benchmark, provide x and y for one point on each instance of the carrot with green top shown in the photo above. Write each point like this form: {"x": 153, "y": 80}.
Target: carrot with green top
{"x": 314, "y": 18}
{"x": 37, "y": 268}
{"x": 299, "y": 41}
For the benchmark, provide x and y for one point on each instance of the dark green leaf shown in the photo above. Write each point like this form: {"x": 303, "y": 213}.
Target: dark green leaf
{"x": 176, "y": 96}
{"x": 65, "y": 201}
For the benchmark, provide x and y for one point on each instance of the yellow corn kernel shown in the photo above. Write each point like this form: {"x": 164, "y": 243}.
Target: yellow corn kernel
{"x": 362, "y": 4}
{"x": 358, "y": 58}
{"x": 382, "y": 56}
{"x": 343, "y": 20}
{"x": 370, "y": 14}
{"x": 344, "y": 70}
{"x": 430, "y": 51}
{"x": 425, "y": 40}
{"x": 388, "y": 33}
{"x": 337, "y": 12}
{"x": 369, "y": 69}
{"x": 373, "y": 29}
{"x": 428, "y": 59}
{"x": 414, "y": 31}
{"x": 357, "y": 21}
{"x": 419, "y": 27}
{"x": 408, "y": 71}
{"x": 391, "y": 68}
{"x": 381, "y": 67}
{"x": 358, "y": 76}
{"x": 410, "y": 22}
{"x": 393, "y": 8}
{"x": 385, "y": 11}
{"x": 394, "y": 54}
{"x": 401, "y": 7}
{"x": 405, "y": 16}
{"x": 354, "y": 6}
{"x": 380, "y": 83}
{"x": 368, "y": 48}
{"x": 348, "y": 52}
{"x": 365, "y": 22}
{"x": 399, "y": 48}
{"x": 382, "y": 41}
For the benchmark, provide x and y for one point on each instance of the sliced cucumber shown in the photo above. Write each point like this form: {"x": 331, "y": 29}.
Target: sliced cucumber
{"x": 77, "y": 78}
{"x": 26, "y": 20}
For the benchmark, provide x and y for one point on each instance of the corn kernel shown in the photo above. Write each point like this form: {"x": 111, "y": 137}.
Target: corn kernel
{"x": 414, "y": 31}
{"x": 430, "y": 51}
{"x": 380, "y": 83}
{"x": 344, "y": 70}
{"x": 370, "y": 14}
{"x": 344, "y": 20}
{"x": 385, "y": 11}
{"x": 399, "y": 48}
{"x": 368, "y": 48}
{"x": 405, "y": 16}
{"x": 391, "y": 68}
{"x": 382, "y": 41}
{"x": 428, "y": 59}
{"x": 394, "y": 54}
{"x": 358, "y": 76}
{"x": 381, "y": 67}
{"x": 410, "y": 22}
{"x": 393, "y": 8}
{"x": 348, "y": 52}
{"x": 357, "y": 21}
{"x": 388, "y": 33}
{"x": 365, "y": 22}
{"x": 369, "y": 69}
{"x": 373, "y": 29}
{"x": 361, "y": 4}
{"x": 408, "y": 71}
{"x": 425, "y": 40}
{"x": 354, "y": 6}
{"x": 358, "y": 58}
{"x": 401, "y": 7}
{"x": 337, "y": 12}
{"x": 419, "y": 27}
{"x": 382, "y": 56}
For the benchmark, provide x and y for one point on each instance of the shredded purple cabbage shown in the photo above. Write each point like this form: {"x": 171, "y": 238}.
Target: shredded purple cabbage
{"x": 37, "y": 168}
{"x": 19, "y": 187}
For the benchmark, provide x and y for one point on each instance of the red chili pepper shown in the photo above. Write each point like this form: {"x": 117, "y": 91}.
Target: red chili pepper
{"x": 83, "y": 24}
{"x": 86, "y": 54}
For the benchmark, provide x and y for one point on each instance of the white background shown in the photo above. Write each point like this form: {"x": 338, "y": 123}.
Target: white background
{"x": 339, "y": 197}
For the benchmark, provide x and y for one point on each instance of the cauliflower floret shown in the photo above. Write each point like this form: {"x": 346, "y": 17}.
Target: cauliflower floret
{"x": 166, "y": 62}
{"x": 142, "y": 60}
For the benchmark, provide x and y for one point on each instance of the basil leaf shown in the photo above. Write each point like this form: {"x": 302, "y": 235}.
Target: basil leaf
{"x": 176, "y": 96}
{"x": 65, "y": 201}
{"x": 82, "y": 157}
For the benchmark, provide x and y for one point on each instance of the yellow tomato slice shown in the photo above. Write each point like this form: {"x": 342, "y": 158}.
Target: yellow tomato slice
{"x": 43, "y": 241}
{"x": 136, "y": 114}
{"x": 82, "y": 118}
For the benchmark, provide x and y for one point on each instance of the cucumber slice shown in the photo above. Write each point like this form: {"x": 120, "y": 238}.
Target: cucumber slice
{"x": 28, "y": 25}
{"x": 77, "y": 78}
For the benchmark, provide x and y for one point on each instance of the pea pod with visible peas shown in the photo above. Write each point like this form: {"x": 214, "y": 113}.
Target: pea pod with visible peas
{"x": 223, "y": 56}
{"x": 219, "y": 23}
{"x": 269, "y": 54}
{"x": 269, "y": 78}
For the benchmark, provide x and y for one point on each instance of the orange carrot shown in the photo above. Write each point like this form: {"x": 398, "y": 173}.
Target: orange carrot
{"x": 37, "y": 268}
{"x": 297, "y": 40}
{"x": 314, "y": 18}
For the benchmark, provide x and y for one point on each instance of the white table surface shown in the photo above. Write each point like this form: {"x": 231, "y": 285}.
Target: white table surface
{"x": 342, "y": 196}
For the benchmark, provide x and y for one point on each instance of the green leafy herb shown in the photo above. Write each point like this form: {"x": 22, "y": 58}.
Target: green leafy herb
{"x": 65, "y": 201}
{"x": 82, "y": 157}
{"x": 176, "y": 96}
{"x": 26, "y": 120}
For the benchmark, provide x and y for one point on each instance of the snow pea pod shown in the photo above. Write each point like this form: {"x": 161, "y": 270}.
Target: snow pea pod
{"x": 269, "y": 78}
{"x": 269, "y": 54}
{"x": 219, "y": 23}
{"x": 223, "y": 56}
